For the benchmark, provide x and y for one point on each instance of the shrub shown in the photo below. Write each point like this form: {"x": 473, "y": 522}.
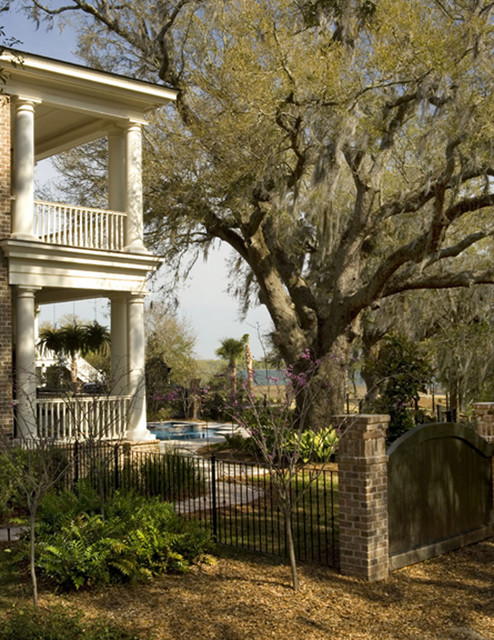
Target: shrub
{"x": 138, "y": 539}
{"x": 58, "y": 623}
{"x": 402, "y": 372}
{"x": 8, "y": 491}
{"x": 34, "y": 464}
{"x": 317, "y": 446}
{"x": 171, "y": 476}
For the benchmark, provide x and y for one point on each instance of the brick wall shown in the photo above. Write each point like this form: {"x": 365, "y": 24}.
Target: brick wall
{"x": 5, "y": 292}
{"x": 363, "y": 497}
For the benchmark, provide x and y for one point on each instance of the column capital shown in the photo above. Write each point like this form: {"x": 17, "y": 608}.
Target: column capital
{"x": 137, "y": 297}
{"x": 26, "y": 291}
{"x": 134, "y": 124}
{"x": 20, "y": 101}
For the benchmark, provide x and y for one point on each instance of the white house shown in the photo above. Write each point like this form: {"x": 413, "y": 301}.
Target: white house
{"x": 57, "y": 252}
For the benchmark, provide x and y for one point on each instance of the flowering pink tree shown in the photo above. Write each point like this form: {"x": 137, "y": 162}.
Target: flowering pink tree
{"x": 286, "y": 439}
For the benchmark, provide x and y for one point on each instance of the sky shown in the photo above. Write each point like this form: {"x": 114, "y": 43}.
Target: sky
{"x": 211, "y": 313}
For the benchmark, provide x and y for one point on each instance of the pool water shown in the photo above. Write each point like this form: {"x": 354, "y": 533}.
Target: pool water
{"x": 184, "y": 431}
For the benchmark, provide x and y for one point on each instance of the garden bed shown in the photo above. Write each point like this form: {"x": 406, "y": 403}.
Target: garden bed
{"x": 249, "y": 597}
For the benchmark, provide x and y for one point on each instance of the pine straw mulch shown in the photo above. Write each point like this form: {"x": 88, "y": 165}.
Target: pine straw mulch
{"x": 244, "y": 596}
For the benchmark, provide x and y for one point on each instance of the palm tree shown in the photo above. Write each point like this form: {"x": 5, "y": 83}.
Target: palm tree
{"x": 96, "y": 337}
{"x": 74, "y": 338}
{"x": 231, "y": 350}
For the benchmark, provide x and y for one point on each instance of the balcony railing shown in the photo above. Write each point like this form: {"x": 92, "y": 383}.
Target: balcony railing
{"x": 83, "y": 227}
{"x": 82, "y": 418}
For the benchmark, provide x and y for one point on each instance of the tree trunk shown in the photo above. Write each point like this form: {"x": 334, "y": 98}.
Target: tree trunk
{"x": 291, "y": 547}
{"x": 248, "y": 366}
{"x": 325, "y": 394}
{"x": 371, "y": 388}
{"x": 32, "y": 558}
{"x": 233, "y": 377}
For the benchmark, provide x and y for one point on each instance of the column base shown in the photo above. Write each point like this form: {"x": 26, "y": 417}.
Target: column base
{"x": 25, "y": 236}
{"x": 138, "y": 435}
{"x": 137, "y": 247}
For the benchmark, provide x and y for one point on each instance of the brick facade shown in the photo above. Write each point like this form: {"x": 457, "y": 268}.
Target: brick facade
{"x": 363, "y": 497}
{"x": 5, "y": 291}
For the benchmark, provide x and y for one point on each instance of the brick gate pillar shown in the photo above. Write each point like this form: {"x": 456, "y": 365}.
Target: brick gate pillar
{"x": 363, "y": 497}
{"x": 484, "y": 414}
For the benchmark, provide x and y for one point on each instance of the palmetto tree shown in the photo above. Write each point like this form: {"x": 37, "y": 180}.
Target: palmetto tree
{"x": 73, "y": 339}
{"x": 96, "y": 337}
{"x": 232, "y": 350}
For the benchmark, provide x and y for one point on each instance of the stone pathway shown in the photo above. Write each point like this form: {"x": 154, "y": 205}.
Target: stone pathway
{"x": 232, "y": 485}
{"x": 227, "y": 494}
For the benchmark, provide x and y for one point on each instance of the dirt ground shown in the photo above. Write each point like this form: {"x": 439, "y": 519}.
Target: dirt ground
{"x": 244, "y": 597}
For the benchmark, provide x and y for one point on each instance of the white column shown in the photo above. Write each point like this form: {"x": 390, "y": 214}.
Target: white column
{"x": 22, "y": 222}
{"x": 25, "y": 365}
{"x": 137, "y": 429}
{"x": 134, "y": 232}
{"x": 116, "y": 170}
{"x": 119, "y": 346}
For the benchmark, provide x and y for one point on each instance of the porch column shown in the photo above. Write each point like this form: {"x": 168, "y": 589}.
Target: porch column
{"x": 134, "y": 232}
{"x": 23, "y": 214}
{"x": 119, "y": 346}
{"x": 25, "y": 366}
{"x": 116, "y": 170}
{"x": 137, "y": 429}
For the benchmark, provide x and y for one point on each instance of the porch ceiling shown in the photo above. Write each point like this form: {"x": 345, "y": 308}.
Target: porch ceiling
{"x": 57, "y": 130}
{"x": 76, "y": 104}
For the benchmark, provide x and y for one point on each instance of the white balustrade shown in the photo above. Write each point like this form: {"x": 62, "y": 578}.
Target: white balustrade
{"x": 79, "y": 226}
{"x": 82, "y": 418}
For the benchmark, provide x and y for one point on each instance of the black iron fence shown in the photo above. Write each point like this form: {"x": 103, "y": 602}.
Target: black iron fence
{"x": 238, "y": 501}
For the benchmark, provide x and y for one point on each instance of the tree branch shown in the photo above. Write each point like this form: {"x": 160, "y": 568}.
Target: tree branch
{"x": 448, "y": 281}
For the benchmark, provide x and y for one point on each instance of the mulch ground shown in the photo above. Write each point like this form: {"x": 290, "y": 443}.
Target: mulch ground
{"x": 244, "y": 597}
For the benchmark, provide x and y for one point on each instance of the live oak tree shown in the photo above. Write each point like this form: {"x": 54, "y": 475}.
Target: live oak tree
{"x": 342, "y": 148}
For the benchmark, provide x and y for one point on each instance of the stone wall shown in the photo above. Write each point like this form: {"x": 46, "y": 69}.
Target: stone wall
{"x": 5, "y": 291}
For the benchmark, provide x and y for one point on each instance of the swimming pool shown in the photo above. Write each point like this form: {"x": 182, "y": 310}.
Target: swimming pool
{"x": 176, "y": 430}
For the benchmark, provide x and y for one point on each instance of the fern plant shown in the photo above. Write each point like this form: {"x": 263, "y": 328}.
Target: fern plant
{"x": 138, "y": 539}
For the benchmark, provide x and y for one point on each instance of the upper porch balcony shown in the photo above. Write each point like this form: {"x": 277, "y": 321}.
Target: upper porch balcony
{"x": 80, "y": 227}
